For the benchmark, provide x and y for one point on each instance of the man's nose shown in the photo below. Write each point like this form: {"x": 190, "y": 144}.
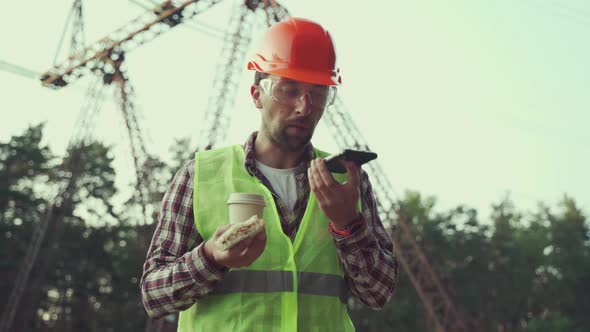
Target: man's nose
{"x": 303, "y": 105}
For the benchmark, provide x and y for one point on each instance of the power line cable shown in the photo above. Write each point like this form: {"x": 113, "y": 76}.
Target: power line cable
{"x": 64, "y": 32}
{"x": 19, "y": 70}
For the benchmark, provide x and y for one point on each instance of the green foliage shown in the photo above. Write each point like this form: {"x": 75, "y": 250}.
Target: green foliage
{"x": 24, "y": 162}
{"x": 517, "y": 273}
{"x": 87, "y": 273}
{"x": 554, "y": 323}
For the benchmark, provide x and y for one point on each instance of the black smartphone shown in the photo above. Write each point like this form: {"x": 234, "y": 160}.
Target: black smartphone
{"x": 359, "y": 157}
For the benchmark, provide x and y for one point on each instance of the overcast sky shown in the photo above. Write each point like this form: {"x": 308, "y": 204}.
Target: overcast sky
{"x": 463, "y": 100}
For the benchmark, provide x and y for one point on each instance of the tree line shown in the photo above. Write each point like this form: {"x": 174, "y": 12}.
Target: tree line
{"x": 510, "y": 271}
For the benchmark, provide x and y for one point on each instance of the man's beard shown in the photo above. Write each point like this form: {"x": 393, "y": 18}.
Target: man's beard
{"x": 292, "y": 143}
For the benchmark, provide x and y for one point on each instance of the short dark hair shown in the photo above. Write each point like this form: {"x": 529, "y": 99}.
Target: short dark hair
{"x": 258, "y": 76}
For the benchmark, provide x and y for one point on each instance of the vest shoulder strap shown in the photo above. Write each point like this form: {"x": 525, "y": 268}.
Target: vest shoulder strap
{"x": 205, "y": 154}
{"x": 321, "y": 153}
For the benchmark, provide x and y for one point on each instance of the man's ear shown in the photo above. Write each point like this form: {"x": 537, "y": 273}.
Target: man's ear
{"x": 255, "y": 93}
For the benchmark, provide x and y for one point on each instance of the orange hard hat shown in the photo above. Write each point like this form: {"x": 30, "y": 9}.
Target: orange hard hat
{"x": 298, "y": 49}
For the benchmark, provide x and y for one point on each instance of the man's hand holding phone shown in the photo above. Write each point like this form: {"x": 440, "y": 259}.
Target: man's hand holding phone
{"x": 337, "y": 201}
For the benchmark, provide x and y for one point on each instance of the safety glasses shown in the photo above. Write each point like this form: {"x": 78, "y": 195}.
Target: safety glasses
{"x": 291, "y": 93}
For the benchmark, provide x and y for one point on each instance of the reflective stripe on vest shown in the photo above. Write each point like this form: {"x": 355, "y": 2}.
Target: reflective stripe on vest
{"x": 253, "y": 281}
{"x": 322, "y": 284}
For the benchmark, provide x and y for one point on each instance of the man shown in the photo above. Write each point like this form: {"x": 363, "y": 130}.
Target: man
{"x": 322, "y": 238}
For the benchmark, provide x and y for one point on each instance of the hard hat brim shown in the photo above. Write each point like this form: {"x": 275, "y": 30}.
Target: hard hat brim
{"x": 323, "y": 77}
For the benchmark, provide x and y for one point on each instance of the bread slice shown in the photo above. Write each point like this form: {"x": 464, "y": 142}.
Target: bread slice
{"x": 240, "y": 231}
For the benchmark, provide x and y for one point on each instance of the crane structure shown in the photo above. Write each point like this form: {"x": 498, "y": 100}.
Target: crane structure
{"x": 105, "y": 59}
{"x": 439, "y": 307}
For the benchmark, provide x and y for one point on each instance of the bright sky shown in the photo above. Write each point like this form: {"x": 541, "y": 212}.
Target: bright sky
{"x": 464, "y": 100}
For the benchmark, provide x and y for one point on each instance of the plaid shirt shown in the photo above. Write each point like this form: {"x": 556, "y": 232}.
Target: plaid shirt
{"x": 176, "y": 272}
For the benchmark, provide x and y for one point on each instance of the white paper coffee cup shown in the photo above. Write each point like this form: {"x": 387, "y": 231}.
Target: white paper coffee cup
{"x": 242, "y": 206}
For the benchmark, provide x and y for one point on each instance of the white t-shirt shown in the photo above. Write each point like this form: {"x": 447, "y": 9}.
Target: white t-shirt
{"x": 282, "y": 181}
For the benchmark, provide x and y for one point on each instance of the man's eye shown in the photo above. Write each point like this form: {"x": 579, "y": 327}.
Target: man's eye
{"x": 289, "y": 91}
{"x": 320, "y": 92}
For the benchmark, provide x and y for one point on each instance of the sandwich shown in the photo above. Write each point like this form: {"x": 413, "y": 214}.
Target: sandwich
{"x": 240, "y": 231}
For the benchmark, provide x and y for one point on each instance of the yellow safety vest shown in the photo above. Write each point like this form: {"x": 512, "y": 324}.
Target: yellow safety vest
{"x": 292, "y": 286}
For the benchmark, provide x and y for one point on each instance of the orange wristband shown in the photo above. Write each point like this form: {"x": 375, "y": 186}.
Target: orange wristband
{"x": 348, "y": 229}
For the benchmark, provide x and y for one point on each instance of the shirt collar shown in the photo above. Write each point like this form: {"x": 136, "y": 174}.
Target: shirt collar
{"x": 250, "y": 159}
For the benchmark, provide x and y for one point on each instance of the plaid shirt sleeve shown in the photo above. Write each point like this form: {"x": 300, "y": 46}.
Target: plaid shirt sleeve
{"x": 366, "y": 254}
{"x": 176, "y": 272}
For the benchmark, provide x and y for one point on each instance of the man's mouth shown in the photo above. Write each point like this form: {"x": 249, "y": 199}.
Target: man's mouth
{"x": 300, "y": 126}
{"x": 299, "y": 129}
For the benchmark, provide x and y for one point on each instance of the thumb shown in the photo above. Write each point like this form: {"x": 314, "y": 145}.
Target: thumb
{"x": 353, "y": 173}
{"x": 220, "y": 230}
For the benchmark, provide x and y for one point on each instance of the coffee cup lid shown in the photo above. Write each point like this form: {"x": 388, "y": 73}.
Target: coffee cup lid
{"x": 246, "y": 198}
